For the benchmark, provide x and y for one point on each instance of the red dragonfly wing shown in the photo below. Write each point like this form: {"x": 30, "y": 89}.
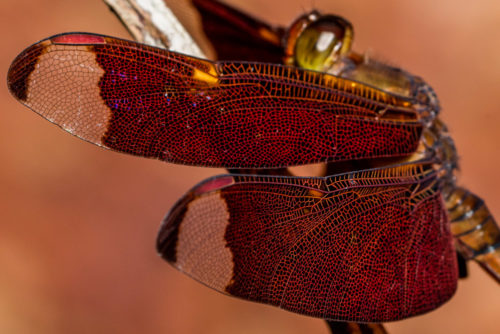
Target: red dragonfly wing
{"x": 367, "y": 246}
{"x": 235, "y": 35}
{"x": 154, "y": 103}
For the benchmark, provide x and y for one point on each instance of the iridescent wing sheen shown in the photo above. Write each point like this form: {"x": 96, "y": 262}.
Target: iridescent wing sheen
{"x": 154, "y": 103}
{"x": 366, "y": 246}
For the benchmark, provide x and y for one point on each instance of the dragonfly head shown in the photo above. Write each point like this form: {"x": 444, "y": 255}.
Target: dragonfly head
{"x": 318, "y": 42}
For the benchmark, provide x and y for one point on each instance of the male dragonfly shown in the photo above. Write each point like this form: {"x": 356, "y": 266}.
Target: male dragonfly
{"x": 368, "y": 241}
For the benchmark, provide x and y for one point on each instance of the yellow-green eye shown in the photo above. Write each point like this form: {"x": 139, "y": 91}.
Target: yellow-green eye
{"x": 323, "y": 42}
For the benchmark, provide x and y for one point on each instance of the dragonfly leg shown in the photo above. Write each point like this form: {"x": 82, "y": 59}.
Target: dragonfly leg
{"x": 355, "y": 328}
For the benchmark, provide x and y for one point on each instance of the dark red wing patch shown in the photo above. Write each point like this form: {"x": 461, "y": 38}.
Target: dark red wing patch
{"x": 368, "y": 246}
{"x": 150, "y": 102}
{"x": 237, "y": 36}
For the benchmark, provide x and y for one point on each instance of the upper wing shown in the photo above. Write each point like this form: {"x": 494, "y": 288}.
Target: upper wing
{"x": 367, "y": 246}
{"x": 151, "y": 102}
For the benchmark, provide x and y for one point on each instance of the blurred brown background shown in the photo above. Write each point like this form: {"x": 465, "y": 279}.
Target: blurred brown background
{"x": 78, "y": 223}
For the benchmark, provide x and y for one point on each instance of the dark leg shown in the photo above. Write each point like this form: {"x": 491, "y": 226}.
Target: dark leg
{"x": 355, "y": 328}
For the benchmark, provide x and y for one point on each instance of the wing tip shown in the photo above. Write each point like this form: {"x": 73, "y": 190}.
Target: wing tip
{"x": 18, "y": 76}
{"x": 166, "y": 241}
{"x": 168, "y": 235}
{"x": 20, "y": 70}
{"x": 25, "y": 63}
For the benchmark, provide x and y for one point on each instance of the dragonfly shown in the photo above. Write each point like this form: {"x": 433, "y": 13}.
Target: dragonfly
{"x": 372, "y": 240}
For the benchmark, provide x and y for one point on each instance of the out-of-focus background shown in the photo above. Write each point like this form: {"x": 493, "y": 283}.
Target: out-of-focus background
{"x": 78, "y": 223}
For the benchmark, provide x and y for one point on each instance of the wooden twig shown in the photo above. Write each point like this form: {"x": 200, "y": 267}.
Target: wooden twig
{"x": 152, "y": 22}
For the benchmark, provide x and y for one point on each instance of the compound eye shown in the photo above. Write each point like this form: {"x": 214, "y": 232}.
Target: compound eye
{"x": 323, "y": 42}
